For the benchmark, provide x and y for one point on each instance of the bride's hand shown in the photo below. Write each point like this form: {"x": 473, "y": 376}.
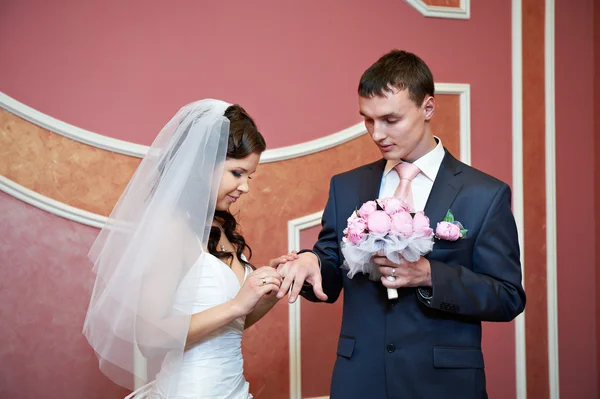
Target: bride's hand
{"x": 261, "y": 282}
{"x": 274, "y": 263}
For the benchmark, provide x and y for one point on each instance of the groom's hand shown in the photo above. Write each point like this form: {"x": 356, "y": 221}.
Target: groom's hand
{"x": 274, "y": 263}
{"x": 295, "y": 273}
{"x": 407, "y": 274}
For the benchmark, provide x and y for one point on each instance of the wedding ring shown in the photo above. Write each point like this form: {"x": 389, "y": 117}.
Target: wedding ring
{"x": 393, "y": 272}
{"x": 264, "y": 281}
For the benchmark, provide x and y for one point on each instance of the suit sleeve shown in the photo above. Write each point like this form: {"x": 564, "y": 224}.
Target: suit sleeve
{"x": 328, "y": 251}
{"x": 492, "y": 291}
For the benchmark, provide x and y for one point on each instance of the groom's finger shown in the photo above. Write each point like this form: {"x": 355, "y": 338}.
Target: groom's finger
{"x": 318, "y": 287}
{"x": 398, "y": 282}
{"x": 285, "y": 286}
{"x": 389, "y": 283}
{"x": 296, "y": 287}
{"x": 383, "y": 261}
{"x": 280, "y": 260}
{"x": 380, "y": 260}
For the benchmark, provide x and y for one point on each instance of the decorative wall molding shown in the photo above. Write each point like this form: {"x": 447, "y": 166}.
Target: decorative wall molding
{"x": 313, "y": 146}
{"x": 550, "y": 163}
{"x": 73, "y": 132}
{"x": 136, "y": 150}
{"x": 295, "y": 226}
{"x": 461, "y": 12}
{"x": 140, "y": 370}
{"x": 49, "y": 205}
{"x": 463, "y": 90}
{"x": 517, "y": 183}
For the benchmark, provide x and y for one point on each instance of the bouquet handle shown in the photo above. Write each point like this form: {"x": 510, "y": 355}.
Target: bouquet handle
{"x": 392, "y": 292}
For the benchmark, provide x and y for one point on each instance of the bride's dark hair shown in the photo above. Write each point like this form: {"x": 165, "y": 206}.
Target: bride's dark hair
{"x": 244, "y": 139}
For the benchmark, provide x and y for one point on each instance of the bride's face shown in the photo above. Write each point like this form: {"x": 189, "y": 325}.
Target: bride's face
{"x": 235, "y": 181}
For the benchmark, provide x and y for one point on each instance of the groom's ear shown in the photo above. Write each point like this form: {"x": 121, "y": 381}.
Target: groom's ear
{"x": 428, "y": 107}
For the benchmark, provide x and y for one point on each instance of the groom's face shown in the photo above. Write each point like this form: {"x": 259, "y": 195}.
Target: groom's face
{"x": 397, "y": 125}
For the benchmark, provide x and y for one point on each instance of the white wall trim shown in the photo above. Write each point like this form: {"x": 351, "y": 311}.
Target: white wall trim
{"x": 137, "y": 150}
{"x": 461, "y": 12}
{"x": 517, "y": 183}
{"x": 313, "y": 146}
{"x": 463, "y": 90}
{"x": 550, "y": 163}
{"x": 295, "y": 226}
{"x": 70, "y": 131}
{"x": 124, "y": 147}
{"x": 140, "y": 369}
{"x": 49, "y": 205}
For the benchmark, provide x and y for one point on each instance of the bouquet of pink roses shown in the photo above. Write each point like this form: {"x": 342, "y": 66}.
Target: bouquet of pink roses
{"x": 386, "y": 227}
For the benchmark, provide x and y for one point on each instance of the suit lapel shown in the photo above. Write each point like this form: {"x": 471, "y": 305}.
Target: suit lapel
{"x": 446, "y": 186}
{"x": 371, "y": 183}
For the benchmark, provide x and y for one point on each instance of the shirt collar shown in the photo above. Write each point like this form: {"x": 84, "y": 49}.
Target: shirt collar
{"x": 429, "y": 163}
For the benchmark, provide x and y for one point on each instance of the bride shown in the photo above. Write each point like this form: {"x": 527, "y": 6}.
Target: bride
{"x": 173, "y": 283}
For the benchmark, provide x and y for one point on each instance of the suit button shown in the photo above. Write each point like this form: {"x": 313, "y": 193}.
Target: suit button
{"x": 391, "y": 348}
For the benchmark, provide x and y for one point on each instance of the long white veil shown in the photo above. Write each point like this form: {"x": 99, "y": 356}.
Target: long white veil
{"x": 155, "y": 234}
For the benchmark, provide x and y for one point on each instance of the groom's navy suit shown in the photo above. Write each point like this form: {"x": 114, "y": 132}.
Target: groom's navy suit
{"x": 415, "y": 347}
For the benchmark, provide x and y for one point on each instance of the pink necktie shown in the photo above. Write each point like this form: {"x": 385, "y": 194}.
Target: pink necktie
{"x": 407, "y": 172}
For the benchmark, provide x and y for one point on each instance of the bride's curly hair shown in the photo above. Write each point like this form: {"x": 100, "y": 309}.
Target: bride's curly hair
{"x": 244, "y": 139}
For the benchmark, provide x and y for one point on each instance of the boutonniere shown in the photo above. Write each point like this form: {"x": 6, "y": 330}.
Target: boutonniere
{"x": 450, "y": 229}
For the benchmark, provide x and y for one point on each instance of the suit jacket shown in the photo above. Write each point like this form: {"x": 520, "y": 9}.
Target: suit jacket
{"x": 415, "y": 347}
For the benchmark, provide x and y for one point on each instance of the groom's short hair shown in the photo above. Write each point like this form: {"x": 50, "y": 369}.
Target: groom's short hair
{"x": 399, "y": 70}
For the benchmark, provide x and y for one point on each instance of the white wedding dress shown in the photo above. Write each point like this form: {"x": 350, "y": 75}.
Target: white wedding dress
{"x": 213, "y": 367}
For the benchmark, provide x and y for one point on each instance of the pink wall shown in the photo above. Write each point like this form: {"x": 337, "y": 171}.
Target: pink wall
{"x": 575, "y": 196}
{"x": 44, "y": 292}
{"x": 122, "y": 69}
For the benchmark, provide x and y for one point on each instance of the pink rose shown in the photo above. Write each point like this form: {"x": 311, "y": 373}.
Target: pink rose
{"x": 421, "y": 224}
{"x": 356, "y": 235}
{"x": 357, "y": 224}
{"x": 402, "y": 223}
{"x": 379, "y": 222}
{"x": 356, "y": 229}
{"x": 367, "y": 209}
{"x": 393, "y": 205}
{"x": 447, "y": 231}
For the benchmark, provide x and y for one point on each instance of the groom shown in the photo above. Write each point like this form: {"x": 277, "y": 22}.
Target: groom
{"x": 427, "y": 342}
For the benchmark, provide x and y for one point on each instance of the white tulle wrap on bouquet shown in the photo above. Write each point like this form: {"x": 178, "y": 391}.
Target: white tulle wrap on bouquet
{"x": 385, "y": 227}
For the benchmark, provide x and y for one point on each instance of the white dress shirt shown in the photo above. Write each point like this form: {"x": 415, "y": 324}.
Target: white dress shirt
{"x": 422, "y": 184}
